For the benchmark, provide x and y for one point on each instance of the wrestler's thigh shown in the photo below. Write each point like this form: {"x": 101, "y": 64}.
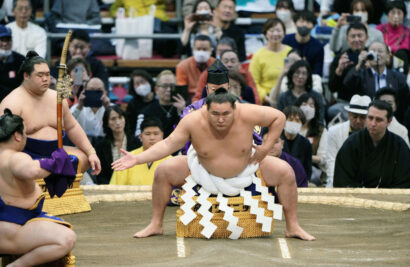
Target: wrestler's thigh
{"x": 174, "y": 170}
{"x": 275, "y": 171}
{"x": 39, "y": 233}
{"x": 85, "y": 165}
{"x": 7, "y": 233}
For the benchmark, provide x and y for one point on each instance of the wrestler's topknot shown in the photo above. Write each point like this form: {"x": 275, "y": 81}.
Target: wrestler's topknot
{"x": 9, "y": 124}
{"x": 32, "y": 58}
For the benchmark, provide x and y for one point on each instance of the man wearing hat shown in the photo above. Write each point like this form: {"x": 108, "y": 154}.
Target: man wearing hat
{"x": 10, "y": 63}
{"x": 374, "y": 157}
{"x": 357, "y": 111}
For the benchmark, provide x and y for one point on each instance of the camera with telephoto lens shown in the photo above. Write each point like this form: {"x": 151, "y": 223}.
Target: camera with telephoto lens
{"x": 371, "y": 56}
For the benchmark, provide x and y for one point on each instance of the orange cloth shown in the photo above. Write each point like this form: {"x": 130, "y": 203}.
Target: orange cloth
{"x": 242, "y": 69}
{"x": 188, "y": 73}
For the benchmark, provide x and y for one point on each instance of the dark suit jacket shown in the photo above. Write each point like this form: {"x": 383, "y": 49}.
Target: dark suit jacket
{"x": 364, "y": 83}
{"x": 105, "y": 155}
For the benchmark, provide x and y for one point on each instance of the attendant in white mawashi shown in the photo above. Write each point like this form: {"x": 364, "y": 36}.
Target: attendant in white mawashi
{"x": 221, "y": 133}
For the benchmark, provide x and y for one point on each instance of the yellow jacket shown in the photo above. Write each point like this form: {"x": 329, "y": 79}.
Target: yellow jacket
{"x": 141, "y": 7}
{"x": 137, "y": 175}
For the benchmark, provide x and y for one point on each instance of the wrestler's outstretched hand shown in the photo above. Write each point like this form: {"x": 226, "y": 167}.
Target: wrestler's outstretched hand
{"x": 259, "y": 155}
{"x": 125, "y": 162}
{"x": 95, "y": 164}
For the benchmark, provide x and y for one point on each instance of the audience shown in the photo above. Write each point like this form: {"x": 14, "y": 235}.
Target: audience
{"x": 267, "y": 63}
{"x": 344, "y": 6}
{"x": 395, "y": 34}
{"x": 10, "y": 62}
{"x": 189, "y": 70}
{"x": 166, "y": 108}
{"x": 80, "y": 72}
{"x": 26, "y": 35}
{"x": 277, "y": 151}
{"x": 374, "y": 157}
{"x": 299, "y": 83}
{"x": 151, "y": 133}
{"x": 360, "y": 8}
{"x": 295, "y": 144}
{"x": 316, "y": 133}
{"x": 188, "y": 6}
{"x": 80, "y": 46}
{"x": 89, "y": 110}
{"x": 224, "y": 17}
{"x": 238, "y": 87}
{"x": 76, "y": 12}
{"x": 195, "y": 25}
{"x": 311, "y": 48}
{"x": 371, "y": 74}
{"x": 231, "y": 61}
{"x": 282, "y": 84}
{"x": 390, "y": 96}
{"x": 285, "y": 11}
{"x": 341, "y": 64}
{"x": 225, "y": 43}
{"x": 337, "y": 135}
{"x": 141, "y": 88}
{"x": 116, "y": 137}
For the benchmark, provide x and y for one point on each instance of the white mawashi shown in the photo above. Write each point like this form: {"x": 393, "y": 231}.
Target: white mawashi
{"x": 265, "y": 196}
{"x": 189, "y": 214}
{"x": 229, "y": 217}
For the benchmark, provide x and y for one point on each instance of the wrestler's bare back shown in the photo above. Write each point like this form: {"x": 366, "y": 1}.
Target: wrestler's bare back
{"x": 16, "y": 192}
{"x": 38, "y": 111}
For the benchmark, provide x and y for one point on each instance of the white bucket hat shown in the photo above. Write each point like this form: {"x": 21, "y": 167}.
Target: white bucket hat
{"x": 359, "y": 104}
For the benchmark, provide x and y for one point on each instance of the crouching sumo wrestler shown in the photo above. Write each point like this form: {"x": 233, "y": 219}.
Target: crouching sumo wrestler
{"x": 24, "y": 228}
{"x": 221, "y": 134}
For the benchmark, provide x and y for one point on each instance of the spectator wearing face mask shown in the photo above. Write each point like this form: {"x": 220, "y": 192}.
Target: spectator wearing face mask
{"x": 295, "y": 144}
{"x": 189, "y": 70}
{"x": 311, "y": 48}
{"x": 316, "y": 133}
{"x": 141, "y": 88}
{"x": 362, "y": 9}
{"x": 89, "y": 110}
{"x": 284, "y": 12}
{"x": 10, "y": 63}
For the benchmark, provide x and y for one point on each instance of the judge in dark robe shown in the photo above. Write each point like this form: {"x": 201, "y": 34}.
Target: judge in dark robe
{"x": 374, "y": 157}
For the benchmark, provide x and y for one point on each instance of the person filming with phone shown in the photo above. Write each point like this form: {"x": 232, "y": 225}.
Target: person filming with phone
{"x": 199, "y": 23}
{"x": 90, "y": 109}
{"x": 360, "y": 11}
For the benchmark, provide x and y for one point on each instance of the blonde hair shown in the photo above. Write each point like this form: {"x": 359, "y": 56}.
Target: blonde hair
{"x": 162, "y": 73}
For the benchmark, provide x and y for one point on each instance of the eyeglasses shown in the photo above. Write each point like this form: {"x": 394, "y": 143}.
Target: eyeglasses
{"x": 167, "y": 85}
{"x": 301, "y": 73}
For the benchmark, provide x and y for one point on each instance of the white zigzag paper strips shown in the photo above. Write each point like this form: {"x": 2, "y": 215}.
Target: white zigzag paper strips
{"x": 229, "y": 217}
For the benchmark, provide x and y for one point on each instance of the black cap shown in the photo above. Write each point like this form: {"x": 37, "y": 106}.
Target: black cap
{"x": 217, "y": 73}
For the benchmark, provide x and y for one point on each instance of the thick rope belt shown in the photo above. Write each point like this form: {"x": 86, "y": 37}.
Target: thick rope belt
{"x": 211, "y": 184}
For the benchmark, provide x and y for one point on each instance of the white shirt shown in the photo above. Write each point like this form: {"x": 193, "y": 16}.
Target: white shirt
{"x": 399, "y": 129}
{"x": 32, "y": 37}
{"x": 379, "y": 80}
{"x": 91, "y": 122}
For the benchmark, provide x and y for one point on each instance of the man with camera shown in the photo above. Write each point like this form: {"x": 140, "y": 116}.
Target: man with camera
{"x": 371, "y": 73}
{"x": 341, "y": 64}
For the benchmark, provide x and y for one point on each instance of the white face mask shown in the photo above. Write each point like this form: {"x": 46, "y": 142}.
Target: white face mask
{"x": 284, "y": 15}
{"x": 5, "y": 53}
{"x": 308, "y": 111}
{"x": 201, "y": 56}
{"x": 143, "y": 89}
{"x": 292, "y": 127}
{"x": 362, "y": 15}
